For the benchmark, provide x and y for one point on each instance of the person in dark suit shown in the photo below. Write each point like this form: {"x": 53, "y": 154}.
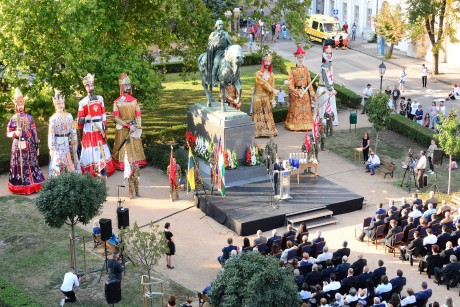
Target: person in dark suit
{"x": 424, "y": 294}
{"x": 443, "y": 238}
{"x": 302, "y": 245}
{"x": 404, "y": 205}
{"x": 399, "y": 280}
{"x": 416, "y": 200}
{"x": 394, "y": 229}
{"x": 391, "y": 205}
{"x": 413, "y": 249}
{"x": 432, "y": 200}
{"x": 288, "y": 233}
{"x": 316, "y": 240}
{"x": 403, "y": 216}
{"x": 326, "y": 272}
{"x": 449, "y": 271}
{"x": 349, "y": 282}
{"x": 314, "y": 277}
{"x": 226, "y": 251}
{"x": 371, "y": 230}
{"x": 273, "y": 238}
{"x": 277, "y": 167}
{"x": 344, "y": 251}
{"x": 455, "y": 235}
{"x": 359, "y": 264}
{"x": 445, "y": 254}
{"x": 408, "y": 227}
{"x": 431, "y": 261}
{"x": 344, "y": 266}
{"x": 379, "y": 272}
{"x": 379, "y": 211}
{"x": 365, "y": 276}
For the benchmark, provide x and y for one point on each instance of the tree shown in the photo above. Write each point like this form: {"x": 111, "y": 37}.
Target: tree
{"x": 53, "y": 44}
{"x": 449, "y": 138}
{"x": 390, "y": 24}
{"x": 438, "y": 19}
{"x": 379, "y": 113}
{"x": 70, "y": 199}
{"x": 144, "y": 247}
{"x": 253, "y": 279}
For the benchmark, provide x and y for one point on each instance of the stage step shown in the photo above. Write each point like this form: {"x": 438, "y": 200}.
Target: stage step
{"x": 312, "y": 219}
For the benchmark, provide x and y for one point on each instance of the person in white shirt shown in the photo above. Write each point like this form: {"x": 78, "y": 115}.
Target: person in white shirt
{"x": 333, "y": 285}
{"x": 367, "y": 93}
{"x": 414, "y": 108}
{"x": 430, "y": 238}
{"x": 409, "y": 299}
{"x": 305, "y": 294}
{"x": 402, "y": 80}
{"x": 384, "y": 287}
{"x": 441, "y": 108}
{"x": 372, "y": 163}
{"x": 70, "y": 280}
{"x": 326, "y": 255}
{"x": 429, "y": 211}
{"x": 415, "y": 212}
{"x": 425, "y": 72}
{"x": 281, "y": 96}
{"x": 421, "y": 165}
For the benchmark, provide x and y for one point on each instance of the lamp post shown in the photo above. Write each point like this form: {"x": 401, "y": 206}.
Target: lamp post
{"x": 236, "y": 15}
{"x": 382, "y": 69}
{"x": 228, "y": 14}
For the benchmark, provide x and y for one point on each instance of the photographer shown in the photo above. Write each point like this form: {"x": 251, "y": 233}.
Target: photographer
{"x": 409, "y": 161}
{"x": 421, "y": 165}
{"x": 70, "y": 280}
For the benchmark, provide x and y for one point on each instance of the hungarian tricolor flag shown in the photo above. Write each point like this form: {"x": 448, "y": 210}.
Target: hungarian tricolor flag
{"x": 172, "y": 169}
{"x": 220, "y": 169}
{"x": 191, "y": 171}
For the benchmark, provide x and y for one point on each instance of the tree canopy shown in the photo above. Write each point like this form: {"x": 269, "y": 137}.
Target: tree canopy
{"x": 53, "y": 44}
{"x": 390, "y": 24}
{"x": 379, "y": 113}
{"x": 253, "y": 279}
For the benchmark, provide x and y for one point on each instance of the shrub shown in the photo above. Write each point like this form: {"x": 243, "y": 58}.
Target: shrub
{"x": 11, "y": 296}
{"x": 411, "y": 129}
{"x": 347, "y": 97}
{"x": 279, "y": 114}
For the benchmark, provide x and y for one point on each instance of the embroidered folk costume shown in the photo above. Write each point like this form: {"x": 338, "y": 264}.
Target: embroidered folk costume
{"x": 325, "y": 93}
{"x": 264, "y": 98}
{"x": 25, "y": 175}
{"x": 127, "y": 116}
{"x": 299, "y": 115}
{"x": 62, "y": 139}
{"x": 92, "y": 119}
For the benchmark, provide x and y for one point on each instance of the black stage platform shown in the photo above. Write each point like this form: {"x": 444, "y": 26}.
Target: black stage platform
{"x": 245, "y": 209}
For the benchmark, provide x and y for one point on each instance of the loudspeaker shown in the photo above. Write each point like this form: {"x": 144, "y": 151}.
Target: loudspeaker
{"x": 123, "y": 217}
{"x": 106, "y": 229}
{"x": 425, "y": 180}
{"x": 112, "y": 291}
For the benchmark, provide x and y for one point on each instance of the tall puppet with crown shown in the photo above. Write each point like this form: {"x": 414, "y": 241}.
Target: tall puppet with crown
{"x": 326, "y": 104}
{"x": 264, "y": 96}
{"x": 25, "y": 175}
{"x": 127, "y": 115}
{"x": 62, "y": 139}
{"x": 299, "y": 115}
{"x": 95, "y": 157}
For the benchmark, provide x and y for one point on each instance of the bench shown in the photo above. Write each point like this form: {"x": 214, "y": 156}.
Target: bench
{"x": 387, "y": 168}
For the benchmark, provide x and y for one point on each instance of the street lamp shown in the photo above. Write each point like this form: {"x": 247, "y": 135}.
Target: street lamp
{"x": 382, "y": 69}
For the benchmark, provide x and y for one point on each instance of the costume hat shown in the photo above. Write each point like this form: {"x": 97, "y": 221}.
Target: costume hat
{"x": 299, "y": 51}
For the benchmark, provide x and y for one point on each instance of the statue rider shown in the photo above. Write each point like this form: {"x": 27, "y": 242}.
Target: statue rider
{"x": 218, "y": 41}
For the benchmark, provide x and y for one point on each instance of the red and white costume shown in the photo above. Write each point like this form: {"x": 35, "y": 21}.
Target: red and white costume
{"x": 92, "y": 160}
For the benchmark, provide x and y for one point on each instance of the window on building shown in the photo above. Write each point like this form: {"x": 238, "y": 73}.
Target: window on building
{"x": 344, "y": 11}
{"x": 357, "y": 14}
{"x": 369, "y": 17}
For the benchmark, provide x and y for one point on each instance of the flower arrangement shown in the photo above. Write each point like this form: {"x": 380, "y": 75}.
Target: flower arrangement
{"x": 202, "y": 147}
{"x": 230, "y": 160}
{"x": 253, "y": 156}
{"x": 190, "y": 139}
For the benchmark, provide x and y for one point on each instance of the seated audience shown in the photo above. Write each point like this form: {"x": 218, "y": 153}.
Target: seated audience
{"x": 259, "y": 239}
{"x": 313, "y": 277}
{"x": 325, "y": 255}
{"x": 409, "y": 299}
{"x": 430, "y": 238}
{"x": 305, "y": 294}
{"x": 399, "y": 280}
{"x": 431, "y": 261}
{"x": 351, "y": 297}
{"x": 333, "y": 285}
{"x": 273, "y": 238}
{"x": 359, "y": 264}
{"x": 447, "y": 273}
{"x": 372, "y": 229}
{"x": 344, "y": 251}
{"x": 384, "y": 286}
{"x": 443, "y": 238}
{"x": 379, "y": 272}
{"x": 226, "y": 251}
{"x": 349, "y": 282}
{"x": 424, "y": 294}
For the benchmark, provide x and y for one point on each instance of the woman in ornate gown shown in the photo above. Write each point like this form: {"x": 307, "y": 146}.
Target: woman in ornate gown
{"x": 62, "y": 139}
{"x": 299, "y": 115}
{"x": 127, "y": 116}
{"x": 25, "y": 175}
{"x": 264, "y": 96}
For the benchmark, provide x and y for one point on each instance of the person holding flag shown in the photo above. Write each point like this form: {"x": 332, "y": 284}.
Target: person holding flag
{"x": 325, "y": 93}
{"x": 220, "y": 169}
{"x": 174, "y": 174}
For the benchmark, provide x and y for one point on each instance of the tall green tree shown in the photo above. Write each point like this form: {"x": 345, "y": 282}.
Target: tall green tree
{"x": 70, "y": 199}
{"x": 379, "y": 113}
{"x": 437, "y": 19}
{"x": 449, "y": 138}
{"x": 390, "y": 24}
{"x": 253, "y": 279}
{"x": 58, "y": 42}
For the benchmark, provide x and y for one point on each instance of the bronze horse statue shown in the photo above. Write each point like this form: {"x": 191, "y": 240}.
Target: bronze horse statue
{"x": 228, "y": 73}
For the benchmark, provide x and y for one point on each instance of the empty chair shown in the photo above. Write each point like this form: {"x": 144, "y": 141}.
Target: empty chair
{"x": 366, "y": 223}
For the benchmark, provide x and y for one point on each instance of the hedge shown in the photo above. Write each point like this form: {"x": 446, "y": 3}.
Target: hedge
{"x": 414, "y": 131}
{"x": 11, "y": 296}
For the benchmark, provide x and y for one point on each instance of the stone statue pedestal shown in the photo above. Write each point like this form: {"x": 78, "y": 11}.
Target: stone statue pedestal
{"x": 237, "y": 131}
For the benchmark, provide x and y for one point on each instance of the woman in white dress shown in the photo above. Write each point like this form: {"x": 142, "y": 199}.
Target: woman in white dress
{"x": 62, "y": 139}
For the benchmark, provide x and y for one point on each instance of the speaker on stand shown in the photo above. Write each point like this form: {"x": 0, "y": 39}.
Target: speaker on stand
{"x": 123, "y": 217}
{"x": 106, "y": 233}
{"x": 112, "y": 291}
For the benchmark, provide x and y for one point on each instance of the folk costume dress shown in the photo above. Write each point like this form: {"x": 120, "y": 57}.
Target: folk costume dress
{"x": 62, "y": 142}
{"x": 95, "y": 154}
{"x": 326, "y": 101}
{"x": 126, "y": 114}
{"x": 299, "y": 115}
{"x": 264, "y": 95}
{"x": 25, "y": 176}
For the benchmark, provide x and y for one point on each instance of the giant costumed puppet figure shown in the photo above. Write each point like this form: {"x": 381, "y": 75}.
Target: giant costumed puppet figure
{"x": 325, "y": 92}
{"x": 25, "y": 175}
{"x": 299, "y": 115}
{"x": 62, "y": 139}
{"x": 95, "y": 154}
{"x": 127, "y": 115}
{"x": 264, "y": 97}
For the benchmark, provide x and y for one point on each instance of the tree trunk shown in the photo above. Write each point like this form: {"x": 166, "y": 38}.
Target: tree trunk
{"x": 390, "y": 52}
{"x": 436, "y": 63}
{"x": 72, "y": 227}
{"x": 376, "y": 142}
{"x": 450, "y": 172}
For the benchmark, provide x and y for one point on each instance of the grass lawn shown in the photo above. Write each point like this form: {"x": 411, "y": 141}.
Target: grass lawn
{"x": 35, "y": 257}
{"x": 392, "y": 147}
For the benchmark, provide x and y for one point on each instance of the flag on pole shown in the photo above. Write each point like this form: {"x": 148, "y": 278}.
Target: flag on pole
{"x": 328, "y": 107}
{"x": 191, "y": 171}
{"x": 220, "y": 169}
{"x": 307, "y": 141}
{"x": 315, "y": 130}
{"x": 172, "y": 169}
